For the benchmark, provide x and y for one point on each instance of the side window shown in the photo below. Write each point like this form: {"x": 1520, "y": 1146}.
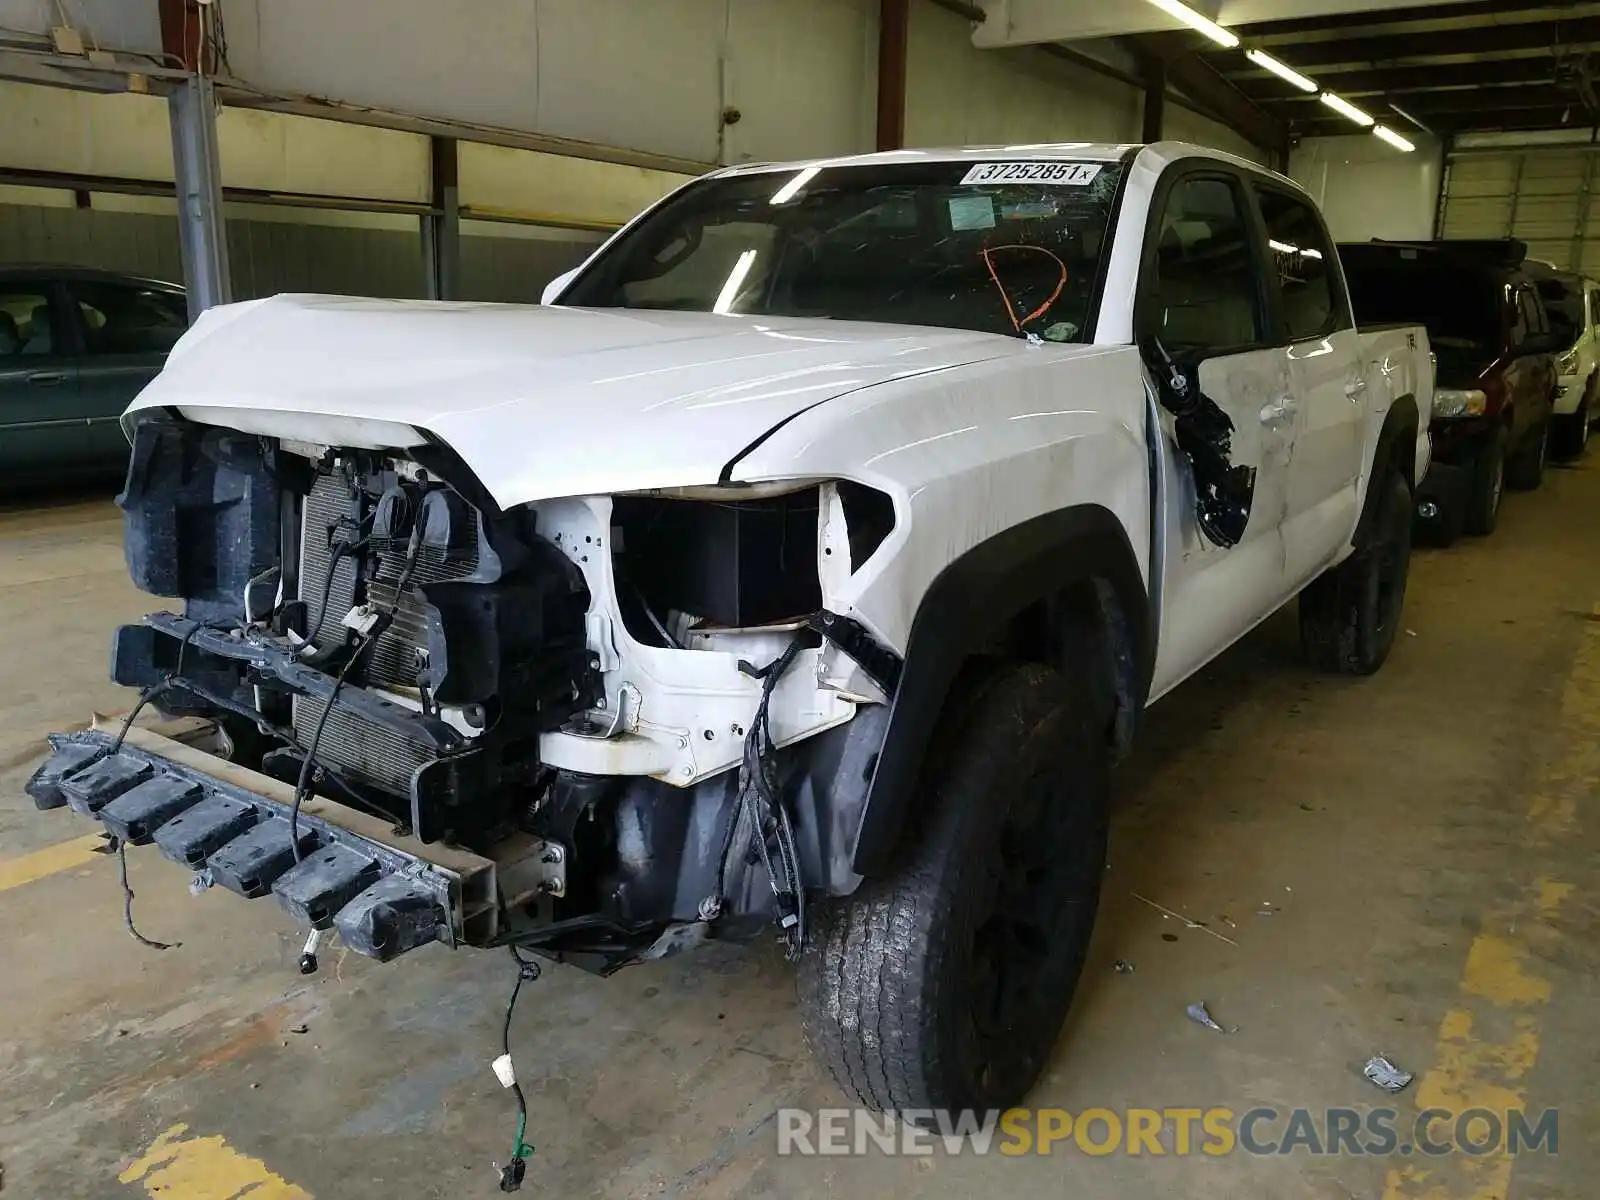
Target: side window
{"x": 1303, "y": 259}
{"x": 26, "y": 328}
{"x": 1530, "y": 316}
{"x": 1594, "y": 306}
{"x": 1519, "y": 316}
{"x": 128, "y": 319}
{"x": 1205, "y": 294}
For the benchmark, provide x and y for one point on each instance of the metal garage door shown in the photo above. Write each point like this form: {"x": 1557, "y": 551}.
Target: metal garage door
{"x": 1546, "y": 196}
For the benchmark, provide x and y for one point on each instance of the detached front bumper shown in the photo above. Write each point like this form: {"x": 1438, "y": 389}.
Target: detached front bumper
{"x": 385, "y": 894}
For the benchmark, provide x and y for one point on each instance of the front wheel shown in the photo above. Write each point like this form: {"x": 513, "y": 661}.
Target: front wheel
{"x": 1486, "y": 485}
{"x": 1571, "y": 433}
{"x": 1525, "y": 471}
{"x": 945, "y": 985}
{"x": 1349, "y": 615}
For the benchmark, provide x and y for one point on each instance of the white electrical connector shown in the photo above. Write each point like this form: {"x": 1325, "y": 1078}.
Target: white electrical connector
{"x": 362, "y": 619}
{"x": 504, "y": 1071}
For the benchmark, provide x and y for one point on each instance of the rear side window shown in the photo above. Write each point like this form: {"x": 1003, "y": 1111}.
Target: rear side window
{"x": 1205, "y": 294}
{"x": 127, "y": 319}
{"x": 1594, "y": 306}
{"x": 25, "y": 325}
{"x": 1303, "y": 259}
{"x": 1530, "y": 319}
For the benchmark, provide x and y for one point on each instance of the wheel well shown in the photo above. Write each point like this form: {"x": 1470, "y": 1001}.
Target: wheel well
{"x": 1083, "y": 627}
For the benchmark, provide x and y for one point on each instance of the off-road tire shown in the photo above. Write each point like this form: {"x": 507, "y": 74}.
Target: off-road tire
{"x": 1525, "y": 469}
{"x": 1570, "y": 437}
{"x": 1349, "y": 615}
{"x": 1486, "y": 479}
{"x": 1012, "y": 814}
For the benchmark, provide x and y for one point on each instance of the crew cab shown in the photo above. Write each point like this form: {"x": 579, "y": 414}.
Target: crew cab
{"x": 1495, "y": 344}
{"x": 805, "y": 563}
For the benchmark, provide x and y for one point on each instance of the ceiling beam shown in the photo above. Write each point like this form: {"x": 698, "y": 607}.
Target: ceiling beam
{"x": 1169, "y": 55}
{"x": 1510, "y": 119}
{"x": 1399, "y": 16}
{"x": 1486, "y": 39}
{"x": 1490, "y": 100}
{"x": 1396, "y": 81}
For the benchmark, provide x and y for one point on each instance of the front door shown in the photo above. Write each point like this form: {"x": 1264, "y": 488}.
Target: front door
{"x": 127, "y": 330}
{"x": 41, "y": 424}
{"x": 1203, "y": 298}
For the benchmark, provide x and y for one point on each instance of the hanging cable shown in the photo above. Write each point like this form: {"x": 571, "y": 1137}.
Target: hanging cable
{"x": 121, "y": 850}
{"x": 761, "y": 804}
{"x": 171, "y": 679}
{"x": 511, "y": 1175}
{"x": 302, "y": 787}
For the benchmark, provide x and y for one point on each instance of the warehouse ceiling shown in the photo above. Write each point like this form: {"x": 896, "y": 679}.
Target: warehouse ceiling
{"x": 1466, "y": 67}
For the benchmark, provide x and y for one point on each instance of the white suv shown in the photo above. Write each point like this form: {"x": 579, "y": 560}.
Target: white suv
{"x": 1577, "y": 405}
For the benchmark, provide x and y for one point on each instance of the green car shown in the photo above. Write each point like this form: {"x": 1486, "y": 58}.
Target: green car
{"x": 76, "y": 346}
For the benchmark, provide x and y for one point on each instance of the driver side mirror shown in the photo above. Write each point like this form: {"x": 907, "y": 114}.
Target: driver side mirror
{"x": 553, "y": 289}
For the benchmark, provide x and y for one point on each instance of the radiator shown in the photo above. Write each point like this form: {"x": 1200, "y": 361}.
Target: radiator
{"x": 349, "y": 743}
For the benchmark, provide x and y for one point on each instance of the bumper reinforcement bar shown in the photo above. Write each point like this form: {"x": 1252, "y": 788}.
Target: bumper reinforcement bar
{"x": 385, "y": 894}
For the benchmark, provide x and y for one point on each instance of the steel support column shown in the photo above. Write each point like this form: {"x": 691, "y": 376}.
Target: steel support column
{"x": 1155, "y": 99}
{"x": 894, "y": 19}
{"x": 441, "y": 228}
{"x": 197, "y": 169}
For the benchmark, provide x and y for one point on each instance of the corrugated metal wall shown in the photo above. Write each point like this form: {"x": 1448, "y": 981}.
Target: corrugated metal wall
{"x": 281, "y": 256}
{"x": 1546, "y": 196}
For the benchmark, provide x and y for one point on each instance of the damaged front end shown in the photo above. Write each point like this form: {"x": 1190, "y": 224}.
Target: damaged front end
{"x": 605, "y": 728}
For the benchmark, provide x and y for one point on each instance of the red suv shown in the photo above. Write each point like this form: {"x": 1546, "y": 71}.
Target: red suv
{"x": 1497, "y": 376}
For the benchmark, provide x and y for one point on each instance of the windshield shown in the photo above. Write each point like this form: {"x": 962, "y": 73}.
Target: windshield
{"x": 1009, "y": 247}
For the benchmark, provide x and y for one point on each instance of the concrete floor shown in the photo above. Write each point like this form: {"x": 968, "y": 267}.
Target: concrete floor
{"x": 1422, "y": 840}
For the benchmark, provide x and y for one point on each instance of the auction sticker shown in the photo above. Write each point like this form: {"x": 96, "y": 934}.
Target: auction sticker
{"x": 1060, "y": 174}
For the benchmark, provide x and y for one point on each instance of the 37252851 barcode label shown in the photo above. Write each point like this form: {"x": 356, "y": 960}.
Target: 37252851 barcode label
{"x": 1060, "y": 174}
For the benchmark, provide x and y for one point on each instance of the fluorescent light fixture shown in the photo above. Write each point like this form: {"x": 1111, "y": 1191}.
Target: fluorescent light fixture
{"x": 1345, "y": 109}
{"x": 792, "y": 189}
{"x": 1394, "y": 139}
{"x": 1281, "y": 70}
{"x": 1225, "y": 38}
{"x": 735, "y": 281}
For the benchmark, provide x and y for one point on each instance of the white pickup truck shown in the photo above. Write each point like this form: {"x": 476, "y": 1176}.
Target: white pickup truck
{"x": 806, "y": 561}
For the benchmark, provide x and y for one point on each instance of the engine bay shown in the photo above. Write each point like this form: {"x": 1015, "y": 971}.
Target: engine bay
{"x": 651, "y": 686}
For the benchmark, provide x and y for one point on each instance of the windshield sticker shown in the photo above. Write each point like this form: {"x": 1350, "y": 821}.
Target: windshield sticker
{"x": 971, "y": 212}
{"x": 1058, "y": 174}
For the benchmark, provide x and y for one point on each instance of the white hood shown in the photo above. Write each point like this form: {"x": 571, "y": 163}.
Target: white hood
{"x": 538, "y": 402}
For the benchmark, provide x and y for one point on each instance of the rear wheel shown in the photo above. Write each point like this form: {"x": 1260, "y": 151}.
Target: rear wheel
{"x": 1349, "y": 616}
{"x": 1486, "y": 485}
{"x": 945, "y": 985}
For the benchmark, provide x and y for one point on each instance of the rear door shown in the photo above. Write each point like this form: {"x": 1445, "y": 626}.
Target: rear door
{"x": 1328, "y": 380}
{"x": 126, "y": 330}
{"x": 41, "y": 425}
{"x": 1203, "y": 297}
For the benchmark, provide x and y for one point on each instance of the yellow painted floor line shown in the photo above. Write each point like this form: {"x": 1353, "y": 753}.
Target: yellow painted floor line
{"x": 176, "y": 1167}
{"x": 1488, "y": 1042}
{"x": 63, "y": 856}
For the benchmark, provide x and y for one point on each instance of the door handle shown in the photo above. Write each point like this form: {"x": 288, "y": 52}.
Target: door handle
{"x": 46, "y": 378}
{"x": 1355, "y": 388}
{"x": 1279, "y": 411}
